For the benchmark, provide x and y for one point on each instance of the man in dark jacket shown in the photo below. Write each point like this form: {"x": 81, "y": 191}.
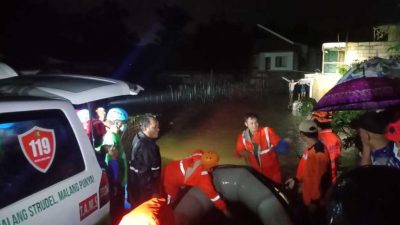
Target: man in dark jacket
{"x": 144, "y": 163}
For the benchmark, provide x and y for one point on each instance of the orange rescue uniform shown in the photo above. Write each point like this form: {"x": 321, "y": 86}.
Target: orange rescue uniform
{"x": 313, "y": 165}
{"x": 261, "y": 149}
{"x": 152, "y": 212}
{"x": 190, "y": 172}
{"x": 333, "y": 144}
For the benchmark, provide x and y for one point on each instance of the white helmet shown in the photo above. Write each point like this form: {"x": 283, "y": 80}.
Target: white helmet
{"x": 117, "y": 114}
{"x": 83, "y": 115}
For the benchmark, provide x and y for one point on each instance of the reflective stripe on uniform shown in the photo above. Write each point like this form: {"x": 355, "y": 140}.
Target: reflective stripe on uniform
{"x": 244, "y": 140}
{"x": 137, "y": 171}
{"x": 268, "y": 142}
{"x": 267, "y": 138}
{"x": 168, "y": 199}
{"x": 181, "y": 166}
{"x": 265, "y": 151}
{"x": 216, "y": 198}
{"x": 134, "y": 169}
{"x": 204, "y": 173}
{"x": 190, "y": 170}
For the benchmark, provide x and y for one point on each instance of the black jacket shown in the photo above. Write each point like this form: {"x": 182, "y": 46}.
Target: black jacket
{"x": 144, "y": 165}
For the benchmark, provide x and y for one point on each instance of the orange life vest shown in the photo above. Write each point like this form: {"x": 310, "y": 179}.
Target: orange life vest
{"x": 313, "y": 165}
{"x": 190, "y": 172}
{"x": 334, "y": 146}
{"x": 261, "y": 148}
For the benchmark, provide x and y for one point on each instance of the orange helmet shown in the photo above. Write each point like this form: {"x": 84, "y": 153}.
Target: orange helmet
{"x": 322, "y": 116}
{"x": 209, "y": 159}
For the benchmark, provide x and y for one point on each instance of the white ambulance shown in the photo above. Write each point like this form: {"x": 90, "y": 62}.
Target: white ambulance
{"x": 49, "y": 173}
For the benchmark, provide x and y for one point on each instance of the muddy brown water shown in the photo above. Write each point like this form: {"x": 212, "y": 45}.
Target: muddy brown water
{"x": 216, "y": 126}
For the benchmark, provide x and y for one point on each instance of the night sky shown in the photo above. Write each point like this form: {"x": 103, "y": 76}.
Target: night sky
{"x": 320, "y": 16}
{"x": 93, "y": 29}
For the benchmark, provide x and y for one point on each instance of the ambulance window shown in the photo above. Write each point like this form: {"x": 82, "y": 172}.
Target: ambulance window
{"x": 37, "y": 149}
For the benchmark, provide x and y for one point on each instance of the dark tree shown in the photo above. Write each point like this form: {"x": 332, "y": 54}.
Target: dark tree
{"x": 36, "y": 29}
{"x": 221, "y": 46}
{"x": 163, "y": 54}
{"x": 100, "y": 33}
{"x": 171, "y": 36}
{"x": 173, "y": 20}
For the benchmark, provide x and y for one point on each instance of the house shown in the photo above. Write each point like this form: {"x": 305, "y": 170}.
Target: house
{"x": 337, "y": 57}
{"x": 276, "y": 56}
{"x": 274, "y": 53}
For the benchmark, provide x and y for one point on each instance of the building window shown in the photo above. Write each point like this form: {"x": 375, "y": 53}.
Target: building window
{"x": 333, "y": 60}
{"x": 280, "y": 61}
{"x": 267, "y": 63}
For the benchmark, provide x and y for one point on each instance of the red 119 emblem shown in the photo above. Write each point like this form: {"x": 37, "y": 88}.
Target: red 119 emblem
{"x": 39, "y": 147}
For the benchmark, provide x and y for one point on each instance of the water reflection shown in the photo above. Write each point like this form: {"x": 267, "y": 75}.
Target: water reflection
{"x": 216, "y": 125}
{"x": 210, "y": 116}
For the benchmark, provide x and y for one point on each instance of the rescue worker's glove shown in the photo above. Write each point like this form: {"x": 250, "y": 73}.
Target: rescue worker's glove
{"x": 291, "y": 183}
{"x": 283, "y": 146}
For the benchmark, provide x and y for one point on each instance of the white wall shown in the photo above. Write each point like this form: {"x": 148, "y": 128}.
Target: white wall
{"x": 289, "y": 56}
{"x": 354, "y": 51}
{"x": 321, "y": 83}
{"x": 359, "y": 51}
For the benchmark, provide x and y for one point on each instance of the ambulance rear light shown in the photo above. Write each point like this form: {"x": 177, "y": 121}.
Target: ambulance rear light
{"x": 104, "y": 190}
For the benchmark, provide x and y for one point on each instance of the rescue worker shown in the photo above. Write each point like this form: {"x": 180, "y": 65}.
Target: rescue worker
{"x": 144, "y": 162}
{"x": 97, "y": 136}
{"x": 117, "y": 117}
{"x": 193, "y": 171}
{"x": 313, "y": 173}
{"x": 154, "y": 211}
{"x": 101, "y": 116}
{"x": 329, "y": 139}
{"x": 259, "y": 147}
{"x": 101, "y": 113}
{"x": 115, "y": 172}
{"x": 116, "y": 161}
{"x": 90, "y": 124}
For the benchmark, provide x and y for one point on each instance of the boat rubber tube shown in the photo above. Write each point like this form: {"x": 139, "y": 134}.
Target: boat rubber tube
{"x": 192, "y": 207}
{"x": 238, "y": 184}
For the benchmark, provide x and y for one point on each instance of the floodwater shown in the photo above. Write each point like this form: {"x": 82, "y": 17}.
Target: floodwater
{"x": 216, "y": 126}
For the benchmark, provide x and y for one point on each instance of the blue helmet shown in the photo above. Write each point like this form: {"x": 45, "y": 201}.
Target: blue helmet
{"x": 117, "y": 114}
